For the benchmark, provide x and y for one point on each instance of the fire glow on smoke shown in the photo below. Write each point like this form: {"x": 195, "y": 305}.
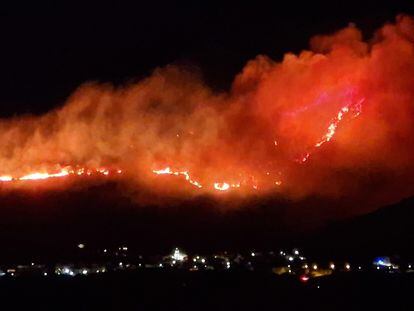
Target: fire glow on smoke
{"x": 311, "y": 124}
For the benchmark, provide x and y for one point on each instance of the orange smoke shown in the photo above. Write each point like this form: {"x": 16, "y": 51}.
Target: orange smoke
{"x": 326, "y": 122}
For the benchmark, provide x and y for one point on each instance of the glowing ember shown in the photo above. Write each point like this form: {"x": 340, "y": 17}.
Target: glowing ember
{"x": 221, "y": 186}
{"x": 168, "y": 171}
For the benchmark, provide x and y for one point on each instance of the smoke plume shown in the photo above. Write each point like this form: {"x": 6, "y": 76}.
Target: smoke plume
{"x": 333, "y": 121}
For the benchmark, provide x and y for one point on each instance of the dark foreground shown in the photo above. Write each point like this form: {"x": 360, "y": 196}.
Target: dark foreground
{"x": 161, "y": 290}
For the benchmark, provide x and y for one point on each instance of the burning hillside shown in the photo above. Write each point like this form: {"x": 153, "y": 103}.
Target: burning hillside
{"x": 326, "y": 122}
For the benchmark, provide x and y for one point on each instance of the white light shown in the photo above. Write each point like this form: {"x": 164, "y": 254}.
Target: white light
{"x": 124, "y": 248}
{"x": 71, "y": 273}
{"x": 359, "y": 267}
{"x": 32, "y": 264}
{"x": 315, "y": 267}
{"x": 194, "y": 259}
{"x": 296, "y": 252}
{"x": 290, "y": 258}
{"x": 84, "y": 272}
{"x": 12, "y": 274}
{"x": 105, "y": 250}
{"x": 160, "y": 265}
{"x": 221, "y": 186}
{"x": 6, "y": 178}
{"x": 306, "y": 266}
{"x": 347, "y": 266}
{"x": 121, "y": 264}
{"x": 332, "y": 266}
{"x": 45, "y": 273}
{"x": 173, "y": 262}
{"x": 378, "y": 268}
{"x": 409, "y": 266}
{"x": 178, "y": 255}
{"x": 203, "y": 260}
{"x": 81, "y": 245}
{"x": 253, "y": 254}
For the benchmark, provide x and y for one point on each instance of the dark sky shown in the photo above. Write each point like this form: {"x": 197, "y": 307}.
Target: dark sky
{"x": 46, "y": 52}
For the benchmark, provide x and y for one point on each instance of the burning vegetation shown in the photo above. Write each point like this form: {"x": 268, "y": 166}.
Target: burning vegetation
{"x": 325, "y": 122}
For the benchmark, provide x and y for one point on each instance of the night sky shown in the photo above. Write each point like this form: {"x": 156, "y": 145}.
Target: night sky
{"x": 47, "y": 52}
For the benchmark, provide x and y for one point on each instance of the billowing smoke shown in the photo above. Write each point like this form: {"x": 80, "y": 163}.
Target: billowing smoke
{"x": 335, "y": 120}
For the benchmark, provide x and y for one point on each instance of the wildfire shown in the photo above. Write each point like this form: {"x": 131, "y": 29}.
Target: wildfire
{"x": 82, "y": 171}
{"x": 218, "y": 186}
{"x": 355, "y": 109}
{"x": 221, "y": 186}
{"x": 6, "y": 178}
{"x": 168, "y": 171}
{"x": 247, "y": 140}
{"x": 63, "y": 172}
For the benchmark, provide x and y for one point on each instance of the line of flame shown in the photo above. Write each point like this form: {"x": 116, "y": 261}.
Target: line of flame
{"x": 67, "y": 171}
{"x": 331, "y": 131}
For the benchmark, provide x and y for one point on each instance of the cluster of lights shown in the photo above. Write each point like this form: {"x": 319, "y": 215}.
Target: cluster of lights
{"x": 199, "y": 259}
{"x": 178, "y": 255}
{"x": 295, "y": 255}
{"x": 303, "y": 269}
{"x": 72, "y": 272}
